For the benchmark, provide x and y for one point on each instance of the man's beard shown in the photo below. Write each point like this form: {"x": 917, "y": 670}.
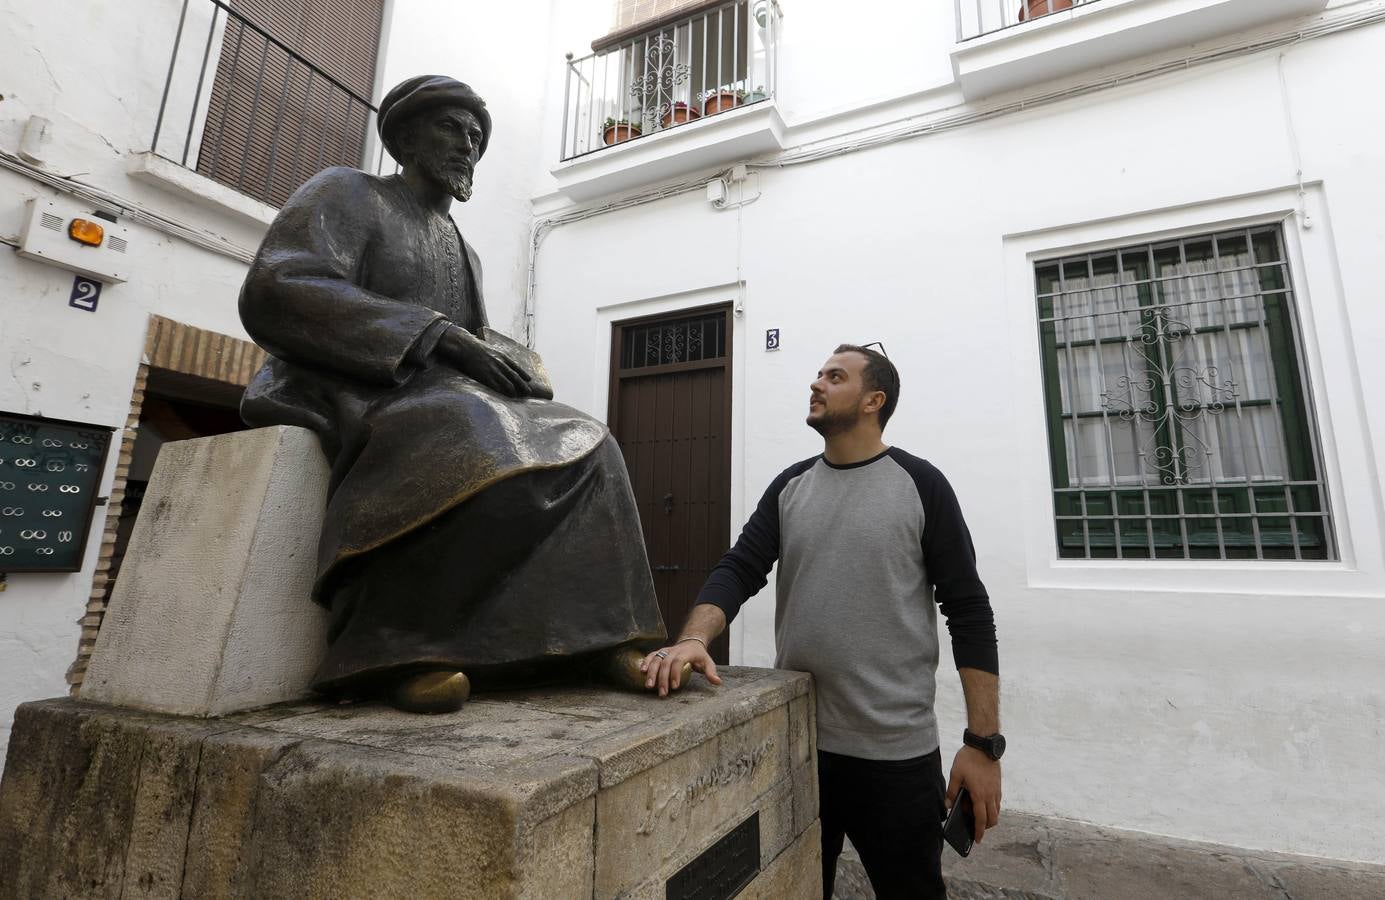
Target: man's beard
{"x": 835, "y": 423}
{"x": 456, "y": 180}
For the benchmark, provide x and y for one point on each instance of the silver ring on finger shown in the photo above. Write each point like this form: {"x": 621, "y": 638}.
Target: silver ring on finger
{"x": 661, "y": 654}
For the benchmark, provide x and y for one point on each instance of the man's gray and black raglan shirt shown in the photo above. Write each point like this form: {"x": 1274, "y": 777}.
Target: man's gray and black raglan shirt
{"x": 863, "y": 551}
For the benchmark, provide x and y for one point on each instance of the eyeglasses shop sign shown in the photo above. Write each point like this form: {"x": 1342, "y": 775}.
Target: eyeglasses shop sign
{"x": 49, "y": 474}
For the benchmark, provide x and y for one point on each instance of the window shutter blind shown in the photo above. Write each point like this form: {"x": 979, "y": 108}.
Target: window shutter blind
{"x": 638, "y": 12}
{"x": 272, "y": 121}
{"x": 635, "y": 17}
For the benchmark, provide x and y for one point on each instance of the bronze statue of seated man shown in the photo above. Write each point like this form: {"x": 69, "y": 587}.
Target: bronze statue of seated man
{"x": 476, "y": 530}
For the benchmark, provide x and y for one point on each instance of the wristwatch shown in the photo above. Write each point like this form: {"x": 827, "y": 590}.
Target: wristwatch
{"x": 991, "y": 745}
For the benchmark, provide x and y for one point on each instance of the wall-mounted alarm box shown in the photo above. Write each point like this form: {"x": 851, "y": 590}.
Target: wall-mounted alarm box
{"x": 70, "y": 236}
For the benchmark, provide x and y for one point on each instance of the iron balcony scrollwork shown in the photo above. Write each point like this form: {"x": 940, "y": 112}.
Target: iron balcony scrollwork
{"x": 654, "y": 90}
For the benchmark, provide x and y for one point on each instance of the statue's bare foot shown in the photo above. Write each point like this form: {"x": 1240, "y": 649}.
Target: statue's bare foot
{"x": 438, "y": 691}
{"x": 621, "y": 667}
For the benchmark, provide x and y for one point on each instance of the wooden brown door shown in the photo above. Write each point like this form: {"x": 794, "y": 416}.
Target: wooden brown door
{"x": 670, "y": 411}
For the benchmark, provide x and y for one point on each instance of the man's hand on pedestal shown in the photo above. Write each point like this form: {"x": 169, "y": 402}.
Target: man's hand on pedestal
{"x": 980, "y": 775}
{"x": 664, "y": 669}
{"x": 474, "y": 357}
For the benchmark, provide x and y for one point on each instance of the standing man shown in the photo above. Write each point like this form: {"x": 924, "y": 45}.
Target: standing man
{"x": 867, "y": 537}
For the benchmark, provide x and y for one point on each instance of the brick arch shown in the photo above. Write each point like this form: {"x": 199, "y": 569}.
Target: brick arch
{"x": 216, "y": 364}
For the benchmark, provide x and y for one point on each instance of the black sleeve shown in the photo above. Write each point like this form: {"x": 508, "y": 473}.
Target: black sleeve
{"x": 950, "y": 559}
{"x": 744, "y": 569}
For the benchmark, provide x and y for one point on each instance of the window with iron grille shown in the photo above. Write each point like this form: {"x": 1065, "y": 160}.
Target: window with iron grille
{"x": 670, "y": 343}
{"x": 1177, "y": 404}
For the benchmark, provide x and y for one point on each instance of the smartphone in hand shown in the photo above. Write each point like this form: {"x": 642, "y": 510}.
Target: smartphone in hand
{"x": 960, "y": 825}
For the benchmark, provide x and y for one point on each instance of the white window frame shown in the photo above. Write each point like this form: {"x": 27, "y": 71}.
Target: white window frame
{"x": 1335, "y": 399}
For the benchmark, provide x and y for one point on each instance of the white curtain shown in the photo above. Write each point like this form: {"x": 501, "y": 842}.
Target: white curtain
{"x": 1169, "y": 395}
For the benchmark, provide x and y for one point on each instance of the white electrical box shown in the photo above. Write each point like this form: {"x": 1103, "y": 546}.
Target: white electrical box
{"x": 46, "y": 238}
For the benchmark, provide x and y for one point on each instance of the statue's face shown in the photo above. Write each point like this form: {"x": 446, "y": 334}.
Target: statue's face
{"x": 444, "y": 145}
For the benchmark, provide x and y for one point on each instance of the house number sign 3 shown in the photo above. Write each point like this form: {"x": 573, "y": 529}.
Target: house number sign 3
{"x": 49, "y": 474}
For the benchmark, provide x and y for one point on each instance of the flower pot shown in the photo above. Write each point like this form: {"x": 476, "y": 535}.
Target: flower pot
{"x": 679, "y": 114}
{"x": 755, "y": 97}
{"x": 1033, "y": 9}
{"x": 621, "y": 131}
{"x": 719, "y": 102}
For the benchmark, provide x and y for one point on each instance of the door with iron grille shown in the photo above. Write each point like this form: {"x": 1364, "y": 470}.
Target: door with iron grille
{"x": 670, "y": 410}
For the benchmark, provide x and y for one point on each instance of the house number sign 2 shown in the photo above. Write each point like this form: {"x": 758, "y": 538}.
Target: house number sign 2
{"x": 49, "y": 474}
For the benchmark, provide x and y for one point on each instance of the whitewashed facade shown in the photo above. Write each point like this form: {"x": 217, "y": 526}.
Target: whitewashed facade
{"x": 1204, "y": 699}
{"x": 902, "y": 184}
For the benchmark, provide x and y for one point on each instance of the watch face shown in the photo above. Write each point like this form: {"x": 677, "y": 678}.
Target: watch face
{"x": 997, "y": 746}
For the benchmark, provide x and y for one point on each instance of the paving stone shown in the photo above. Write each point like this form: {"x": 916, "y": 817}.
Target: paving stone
{"x": 1030, "y": 857}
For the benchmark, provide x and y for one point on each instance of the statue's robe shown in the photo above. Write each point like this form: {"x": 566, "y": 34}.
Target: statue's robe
{"x": 464, "y": 529}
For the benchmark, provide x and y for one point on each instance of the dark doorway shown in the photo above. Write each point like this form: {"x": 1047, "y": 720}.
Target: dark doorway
{"x": 670, "y": 410}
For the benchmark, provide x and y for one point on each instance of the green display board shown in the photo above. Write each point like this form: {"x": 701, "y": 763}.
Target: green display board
{"x": 49, "y": 474}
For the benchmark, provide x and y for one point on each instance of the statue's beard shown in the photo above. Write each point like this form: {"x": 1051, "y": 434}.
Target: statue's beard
{"x": 454, "y": 178}
{"x": 458, "y": 185}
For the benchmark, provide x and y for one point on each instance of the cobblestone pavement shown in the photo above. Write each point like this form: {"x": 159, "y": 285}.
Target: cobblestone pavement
{"x": 1037, "y": 858}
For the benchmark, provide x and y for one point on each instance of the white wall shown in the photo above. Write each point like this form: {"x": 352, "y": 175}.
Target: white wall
{"x": 97, "y": 72}
{"x": 1212, "y": 701}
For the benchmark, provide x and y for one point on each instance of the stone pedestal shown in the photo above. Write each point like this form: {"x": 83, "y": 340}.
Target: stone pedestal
{"x": 212, "y": 612}
{"x": 558, "y": 793}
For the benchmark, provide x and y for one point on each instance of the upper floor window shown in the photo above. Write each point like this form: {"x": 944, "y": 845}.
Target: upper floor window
{"x": 1177, "y": 403}
{"x": 632, "y": 13}
{"x": 263, "y": 94}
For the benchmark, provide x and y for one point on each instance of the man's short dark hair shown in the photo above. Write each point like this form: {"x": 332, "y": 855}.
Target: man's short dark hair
{"x": 879, "y": 375}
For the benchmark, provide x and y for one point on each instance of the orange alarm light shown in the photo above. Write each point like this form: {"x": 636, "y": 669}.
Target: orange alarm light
{"x": 86, "y": 232}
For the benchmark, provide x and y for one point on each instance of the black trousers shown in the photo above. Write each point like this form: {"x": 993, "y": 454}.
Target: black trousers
{"x": 892, "y": 810}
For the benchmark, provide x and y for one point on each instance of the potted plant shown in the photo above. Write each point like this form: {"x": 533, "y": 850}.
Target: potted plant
{"x": 613, "y": 131}
{"x": 1032, "y": 9}
{"x": 721, "y": 99}
{"x": 679, "y": 113}
{"x": 756, "y": 95}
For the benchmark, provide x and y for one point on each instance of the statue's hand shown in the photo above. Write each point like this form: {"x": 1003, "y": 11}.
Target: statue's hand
{"x": 474, "y": 357}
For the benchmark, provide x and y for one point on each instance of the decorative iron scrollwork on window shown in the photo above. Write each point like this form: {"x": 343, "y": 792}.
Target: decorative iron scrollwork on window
{"x": 1172, "y": 397}
{"x": 670, "y": 343}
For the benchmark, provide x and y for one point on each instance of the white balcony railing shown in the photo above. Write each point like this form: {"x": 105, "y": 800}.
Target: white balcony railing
{"x": 978, "y": 17}
{"x": 710, "y": 62}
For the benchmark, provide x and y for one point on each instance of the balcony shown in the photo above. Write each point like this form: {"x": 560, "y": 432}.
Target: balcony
{"x": 1005, "y": 45}
{"x": 245, "y": 118}
{"x": 687, "y": 93}
{"x": 978, "y": 17}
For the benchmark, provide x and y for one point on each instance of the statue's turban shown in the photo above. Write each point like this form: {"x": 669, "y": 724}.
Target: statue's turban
{"x": 428, "y": 92}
